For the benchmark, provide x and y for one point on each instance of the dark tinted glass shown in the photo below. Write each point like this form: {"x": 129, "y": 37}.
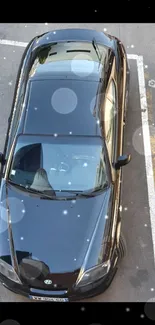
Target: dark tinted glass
{"x": 61, "y": 106}
{"x": 53, "y": 163}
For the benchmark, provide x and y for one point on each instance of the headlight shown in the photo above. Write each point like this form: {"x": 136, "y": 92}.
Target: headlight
{"x": 93, "y": 274}
{"x": 8, "y": 271}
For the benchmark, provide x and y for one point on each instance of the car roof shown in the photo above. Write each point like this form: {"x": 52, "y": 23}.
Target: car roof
{"x": 64, "y": 81}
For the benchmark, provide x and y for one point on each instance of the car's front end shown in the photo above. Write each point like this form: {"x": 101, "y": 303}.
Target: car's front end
{"x": 93, "y": 282}
{"x": 79, "y": 262}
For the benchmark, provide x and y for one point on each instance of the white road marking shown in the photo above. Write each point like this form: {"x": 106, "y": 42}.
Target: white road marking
{"x": 13, "y": 43}
{"x": 147, "y": 146}
{"x": 132, "y": 56}
{"x": 145, "y": 128}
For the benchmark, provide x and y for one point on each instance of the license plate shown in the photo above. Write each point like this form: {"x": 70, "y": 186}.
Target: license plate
{"x": 49, "y": 299}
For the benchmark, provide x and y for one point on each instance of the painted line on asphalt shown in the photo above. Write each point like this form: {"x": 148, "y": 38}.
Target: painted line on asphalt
{"x": 132, "y": 56}
{"x": 146, "y": 142}
{"x": 145, "y": 128}
{"x": 13, "y": 43}
{"x": 147, "y": 146}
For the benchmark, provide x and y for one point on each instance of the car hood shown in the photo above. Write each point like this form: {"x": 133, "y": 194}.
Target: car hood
{"x": 54, "y": 235}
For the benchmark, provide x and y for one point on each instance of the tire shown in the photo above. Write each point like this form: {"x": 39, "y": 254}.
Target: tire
{"x": 122, "y": 247}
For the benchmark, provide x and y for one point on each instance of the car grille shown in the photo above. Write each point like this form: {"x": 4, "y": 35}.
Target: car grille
{"x": 39, "y": 284}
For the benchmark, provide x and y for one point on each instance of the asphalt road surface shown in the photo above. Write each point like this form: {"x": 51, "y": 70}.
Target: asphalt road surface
{"x": 135, "y": 279}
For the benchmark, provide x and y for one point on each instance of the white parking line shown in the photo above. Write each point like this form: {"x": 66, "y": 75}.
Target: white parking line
{"x": 13, "y": 43}
{"x": 147, "y": 143}
{"x": 145, "y": 128}
{"x": 132, "y": 56}
{"x": 147, "y": 146}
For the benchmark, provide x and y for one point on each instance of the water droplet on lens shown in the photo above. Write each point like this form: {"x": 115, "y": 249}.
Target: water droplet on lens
{"x": 65, "y": 212}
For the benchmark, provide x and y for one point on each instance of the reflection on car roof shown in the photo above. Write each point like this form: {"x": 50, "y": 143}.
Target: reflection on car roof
{"x": 62, "y": 107}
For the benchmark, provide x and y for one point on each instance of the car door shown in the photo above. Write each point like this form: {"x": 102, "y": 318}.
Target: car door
{"x": 111, "y": 134}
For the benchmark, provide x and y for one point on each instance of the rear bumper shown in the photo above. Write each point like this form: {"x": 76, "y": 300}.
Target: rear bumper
{"x": 72, "y": 294}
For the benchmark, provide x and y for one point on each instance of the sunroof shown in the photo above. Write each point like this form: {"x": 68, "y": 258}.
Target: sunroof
{"x": 61, "y": 107}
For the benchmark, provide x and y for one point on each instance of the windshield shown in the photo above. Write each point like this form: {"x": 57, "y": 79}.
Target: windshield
{"x": 48, "y": 163}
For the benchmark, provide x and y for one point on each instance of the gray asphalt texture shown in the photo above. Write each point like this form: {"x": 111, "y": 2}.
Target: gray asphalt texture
{"x": 135, "y": 279}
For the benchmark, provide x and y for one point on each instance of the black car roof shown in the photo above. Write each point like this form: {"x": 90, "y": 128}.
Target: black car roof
{"x": 64, "y": 79}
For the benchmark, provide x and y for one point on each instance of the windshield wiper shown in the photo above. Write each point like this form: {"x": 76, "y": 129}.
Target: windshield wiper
{"x": 100, "y": 189}
{"x": 96, "y": 49}
{"x": 94, "y": 192}
{"x": 77, "y": 193}
{"x": 31, "y": 190}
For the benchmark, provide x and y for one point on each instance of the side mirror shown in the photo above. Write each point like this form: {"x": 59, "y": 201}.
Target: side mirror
{"x": 122, "y": 161}
{"x": 2, "y": 159}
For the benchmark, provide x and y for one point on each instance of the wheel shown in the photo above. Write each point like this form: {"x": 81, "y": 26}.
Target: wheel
{"x": 122, "y": 247}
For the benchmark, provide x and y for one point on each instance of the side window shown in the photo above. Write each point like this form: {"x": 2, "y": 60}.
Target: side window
{"x": 16, "y": 113}
{"x": 14, "y": 121}
{"x": 109, "y": 118}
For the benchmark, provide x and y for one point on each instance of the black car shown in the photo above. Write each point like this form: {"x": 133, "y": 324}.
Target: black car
{"x": 60, "y": 223}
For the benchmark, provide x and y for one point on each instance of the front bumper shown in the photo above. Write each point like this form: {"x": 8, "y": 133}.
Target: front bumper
{"x": 72, "y": 294}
